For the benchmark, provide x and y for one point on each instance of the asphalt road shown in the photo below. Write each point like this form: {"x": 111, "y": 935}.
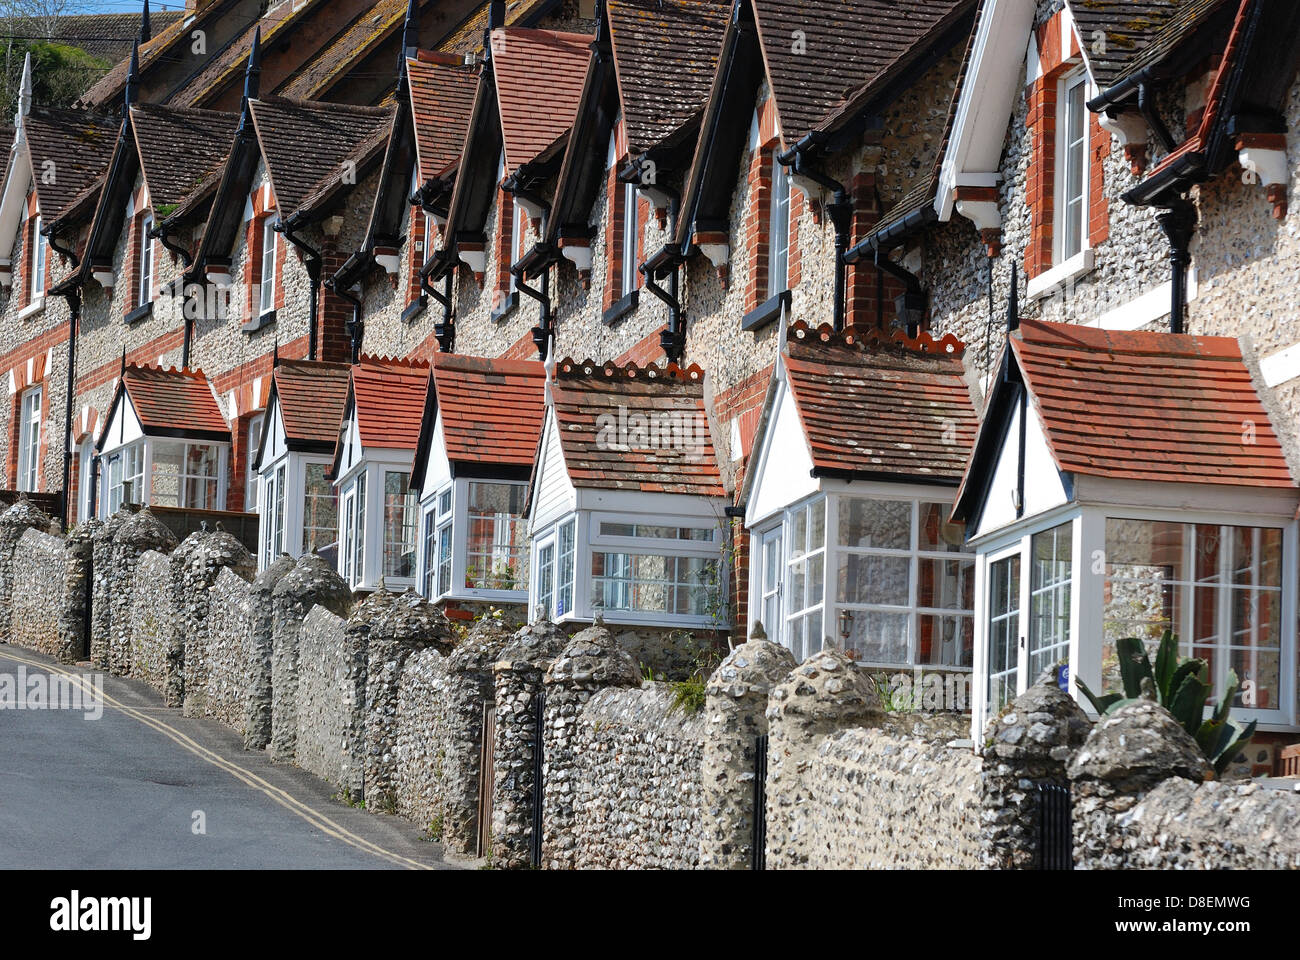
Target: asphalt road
{"x": 129, "y": 789}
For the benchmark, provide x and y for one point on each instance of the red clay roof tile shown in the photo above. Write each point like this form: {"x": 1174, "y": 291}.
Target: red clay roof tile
{"x": 599, "y": 409}
{"x": 880, "y": 405}
{"x": 312, "y": 395}
{"x": 173, "y": 400}
{"x": 535, "y": 114}
{"x": 492, "y": 410}
{"x": 442, "y": 96}
{"x": 1149, "y": 406}
{"x": 389, "y": 398}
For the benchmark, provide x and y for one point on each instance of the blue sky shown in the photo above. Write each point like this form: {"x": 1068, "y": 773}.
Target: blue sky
{"x": 126, "y": 6}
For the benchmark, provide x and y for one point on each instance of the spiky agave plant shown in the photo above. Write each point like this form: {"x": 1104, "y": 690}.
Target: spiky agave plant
{"x": 1180, "y": 685}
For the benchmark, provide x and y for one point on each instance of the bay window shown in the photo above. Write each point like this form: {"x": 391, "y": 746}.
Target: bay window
{"x": 475, "y": 541}
{"x": 123, "y": 472}
{"x": 888, "y": 574}
{"x": 164, "y": 473}
{"x": 399, "y": 525}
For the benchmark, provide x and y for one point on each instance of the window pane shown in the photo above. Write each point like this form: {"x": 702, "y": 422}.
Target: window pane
{"x": 882, "y": 524}
{"x": 564, "y": 573}
{"x": 946, "y": 640}
{"x": 946, "y": 584}
{"x": 1049, "y": 598}
{"x": 168, "y": 463}
{"x": 1004, "y": 631}
{"x": 864, "y": 578}
{"x": 496, "y": 556}
{"x": 399, "y": 525}
{"x": 936, "y": 533}
{"x": 655, "y": 532}
{"x": 876, "y": 636}
{"x": 320, "y": 508}
{"x": 546, "y": 577}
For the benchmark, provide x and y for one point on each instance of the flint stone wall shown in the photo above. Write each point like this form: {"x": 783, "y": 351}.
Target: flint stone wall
{"x": 420, "y": 738}
{"x": 14, "y": 522}
{"x": 103, "y": 577}
{"x": 38, "y": 570}
{"x": 195, "y": 574}
{"x": 139, "y": 534}
{"x": 229, "y": 650}
{"x": 78, "y": 550}
{"x": 150, "y": 628}
{"x": 636, "y": 781}
{"x": 330, "y": 713}
{"x": 257, "y": 706}
{"x": 877, "y": 801}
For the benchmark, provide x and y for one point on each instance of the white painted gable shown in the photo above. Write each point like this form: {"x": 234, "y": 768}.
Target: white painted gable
{"x": 123, "y": 425}
{"x": 437, "y": 469}
{"x": 276, "y": 443}
{"x": 1044, "y": 485}
{"x": 351, "y": 437}
{"x": 553, "y": 491}
{"x": 783, "y": 467}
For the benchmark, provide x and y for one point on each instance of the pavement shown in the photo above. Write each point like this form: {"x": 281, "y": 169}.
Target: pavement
{"x": 142, "y": 787}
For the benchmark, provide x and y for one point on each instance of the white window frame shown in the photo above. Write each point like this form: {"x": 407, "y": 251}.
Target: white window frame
{"x": 256, "y": 424}
{"x": 833, "y": 493}
{"x": 778, "y": 233}
{"x": 267, "y": 280}
{"x": 222, "y": 451}
{"x": 361, "y": 546}
{"x": 146, "y": 447}
{"x": 294, "y": 483}
{"x": 29, "y": 439}
{"x": 39, "y": 249}
{"x": 144, "y": 292}
{"x": 85, "y": 478}
{"x": 630, "y": 238}
{"x": 1087, "y": 603}
{"x": 518, "y": 217}
{"x": 455, "y": 518}
{"x": 1065, "y": 249}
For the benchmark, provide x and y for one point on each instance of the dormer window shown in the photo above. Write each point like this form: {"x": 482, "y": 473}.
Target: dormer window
{"x": 778, "y": 237}
{"x": 270, "y": 239}
{"x": 39, "y": 243}
{"x": 144, "y": 294}
{"x": 1072, "y": 171}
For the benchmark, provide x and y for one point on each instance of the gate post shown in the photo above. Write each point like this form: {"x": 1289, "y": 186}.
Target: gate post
{"x": 735, "y": 707}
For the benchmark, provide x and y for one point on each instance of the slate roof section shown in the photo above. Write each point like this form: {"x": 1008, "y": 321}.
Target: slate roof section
{"x": 492, "y": 410}
{"x": 80, "y": 147}
{"x": 442, "y": 97}
{"x": 665, "y": 55}
{"x": 361, "y": 36}
{"x": 389, "y": 397}
{"x": 173, "y": 402}
{"x": 844, "y": 49}
{"x": 1148, "y": 405}
{"x": 882, "y": 406}
{"x": 536, "y": 115}
{"x": 311, "y": 395}
{"x": 180, "y": 148}
{"x": 335, "y": 132}
{"x": 682, "y": 463}
{"x": 1134, "y": 33}
{"x": 107, "y": 35}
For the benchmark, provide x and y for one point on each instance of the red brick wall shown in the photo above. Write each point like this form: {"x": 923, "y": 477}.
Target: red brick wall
{"x": 332, "y": 342}
{"x": 416, "y": 254}
{"x": 759, "y": 190}
{"x": 613, "y": 239}
{"x": 863, "y": 277}
{"x": 505, "y": 238}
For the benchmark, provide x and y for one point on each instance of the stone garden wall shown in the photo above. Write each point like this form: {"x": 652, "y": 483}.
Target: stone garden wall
{"x": 230, "y": 650}
{"x": 330, "y": 713}
{"x": 418, "y": 739}
{"x": 636, "y": 781}
{"x": 142, "y": 646}
{"x": 38, "y": 566}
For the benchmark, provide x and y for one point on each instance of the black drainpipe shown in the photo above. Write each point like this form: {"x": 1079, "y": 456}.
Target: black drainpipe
{"x": 313, "y": 263}
{"x": 1178, "y": 221}
{"x": 673, "y": 339}
{"x": 1147, "y": 107}
{"x": 445, "y": 331}
{"x": 73, "y": 297}
{"x": 163, "y": 236}
{"x": 840, "y": 209}
{"x": 912, "y": 301}
{"x": 542, "y": 332}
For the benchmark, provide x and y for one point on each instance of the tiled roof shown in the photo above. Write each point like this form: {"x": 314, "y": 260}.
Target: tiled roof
{"x": 468, "y": 36}
{"x": 1148, "y": 406}
{"x": 442, "y": 96}
{"x": 109, "y": 87}
{"x": 843, "y": 49}
{"x": 592, "y": 400}
{"x": 1134, "y": 33}
{"x": 80, "y": 147}
{"x": 389, "y": 401}
{"x": 492, "y": 410}
{"x": 348, "y": 47}
{"x": 311, "y": 395}
{"x": 174, "y": 401}
{"x": 335, "y": 133}
{"x": 539, "y": 77}
{"x": 665, "y": 54}
{"x": 180, "y": 149}
{"x": 877, "y": 405}
{"x": 107, "y": 35}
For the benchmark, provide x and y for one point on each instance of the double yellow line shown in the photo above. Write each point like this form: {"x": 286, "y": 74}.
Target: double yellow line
{"x": 247, "y": 777}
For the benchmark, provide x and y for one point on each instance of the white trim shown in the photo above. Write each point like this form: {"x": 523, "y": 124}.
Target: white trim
{"x": 1281, "y": 367}
{"x": 1145, "y": 309}
{"x": 36, "y": 306}
{"x": 1061, "y": 275}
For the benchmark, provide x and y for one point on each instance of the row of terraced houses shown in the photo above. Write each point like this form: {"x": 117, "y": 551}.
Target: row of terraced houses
{"x": 957, "y": 334}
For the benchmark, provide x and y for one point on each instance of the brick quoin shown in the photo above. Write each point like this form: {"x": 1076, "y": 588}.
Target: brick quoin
{"x": 332, "y": 340}
{"x": 505, "y": 240}
{"x": 863, "y": 277}
{"x": 759, "y": 190}
{"x": 613, "y": 239}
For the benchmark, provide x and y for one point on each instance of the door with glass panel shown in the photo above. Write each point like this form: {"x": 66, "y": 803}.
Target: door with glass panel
{"x": 805, "y": 577}
{"x": 1004, "y": 630}
{"x": 1050, "y": 556}
{"x": 769, "y": 585}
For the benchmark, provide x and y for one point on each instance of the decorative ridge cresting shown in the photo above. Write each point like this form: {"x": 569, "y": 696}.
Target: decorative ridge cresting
{"x": 870, "y": 338}
{"x": 570, "y": 369}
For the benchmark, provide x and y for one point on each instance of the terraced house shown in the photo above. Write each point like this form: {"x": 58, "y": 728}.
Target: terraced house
{"x": 953, "y": 334}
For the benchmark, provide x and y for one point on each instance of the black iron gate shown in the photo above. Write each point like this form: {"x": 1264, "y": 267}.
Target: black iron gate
{"x": 539, "y": 779}
{"x": 1055, "y": 849}
{"x": 759, "y": 857}
{"x": 486, "y": 778}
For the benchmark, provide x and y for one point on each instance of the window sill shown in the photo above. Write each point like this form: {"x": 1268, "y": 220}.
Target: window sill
{"x": 33, "y": 308}
{"x": 508, "y": 306}
{"x": 621, "y": 308}
{"x": 265, "y": 320}
{"x": 1060, "y": 275}
{"x": 142, "y": 312}
{"x": 765, "y": 313}
{"x": 415, "y": 308}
